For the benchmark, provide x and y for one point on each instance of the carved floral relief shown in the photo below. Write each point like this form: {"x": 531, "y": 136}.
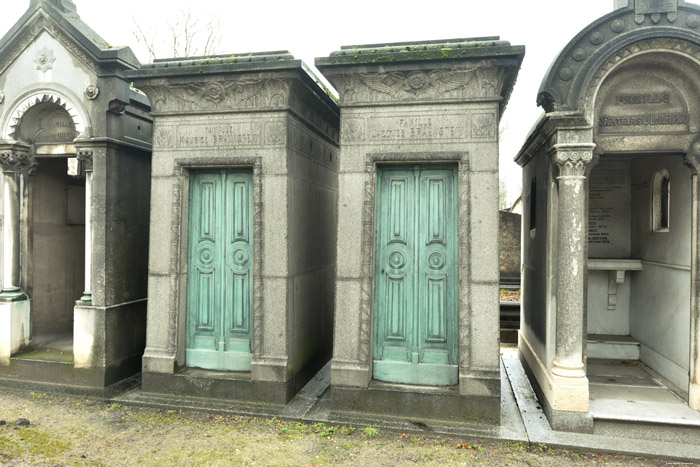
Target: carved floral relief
{"x": 223, "y": 95}
{"x": 471, "y": 81}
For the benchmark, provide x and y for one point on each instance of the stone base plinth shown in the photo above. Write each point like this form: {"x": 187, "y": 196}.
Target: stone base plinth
{"x": 159, "y": 361}
{"x": 351, "y": 374}
{"x": 230, "y": 386}
{"x": 440, "y": 404}
{"x": 15, "y": 328}
{"x": 694, "y": 396}
{"x": 109, "y": 337}
{"x": 63, "y": 375}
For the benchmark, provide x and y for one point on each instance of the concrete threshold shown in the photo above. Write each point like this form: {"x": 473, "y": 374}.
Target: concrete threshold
{"x": 539, "y": 431}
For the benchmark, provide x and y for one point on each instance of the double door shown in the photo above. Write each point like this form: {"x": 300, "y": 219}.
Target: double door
{"x": 415, "y": 319}
{"x": 220, "y": 270}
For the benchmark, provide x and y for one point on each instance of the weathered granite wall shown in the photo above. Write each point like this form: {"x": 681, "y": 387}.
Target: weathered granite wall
{"x": 509, "y": 241}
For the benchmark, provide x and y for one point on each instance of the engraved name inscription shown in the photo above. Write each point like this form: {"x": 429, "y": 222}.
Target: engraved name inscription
{"x": 61, "y": 130}
{"x": 642, "y": 105}
{"x": 642, "y": 99}
{"x": 644, "y": 120}
{"x": 233, "y": 134}
{"x": 415, "y": 128}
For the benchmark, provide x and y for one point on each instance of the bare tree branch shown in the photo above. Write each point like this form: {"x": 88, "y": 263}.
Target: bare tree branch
{"x": 186, "y": 36}
{"x": 143, "y": 39}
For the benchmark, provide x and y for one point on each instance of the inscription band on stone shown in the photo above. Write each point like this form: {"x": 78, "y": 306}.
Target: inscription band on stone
{"x": 641, "y": 99}
{"x": 644, "y": 120}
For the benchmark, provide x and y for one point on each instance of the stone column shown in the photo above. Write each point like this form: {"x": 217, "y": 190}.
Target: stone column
{"x": 572, "y": 161}
{"x": 15, "y": 311}
{"x": 692, "y": 160}
{"x": 86, "y": 158}
{"x": 15, "y": 163}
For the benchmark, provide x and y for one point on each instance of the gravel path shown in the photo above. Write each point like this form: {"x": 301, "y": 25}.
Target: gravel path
{"x": 66, "y": 431}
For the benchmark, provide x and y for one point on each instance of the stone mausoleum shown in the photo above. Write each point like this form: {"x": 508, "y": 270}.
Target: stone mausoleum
{"x": 242, "y": 247}
{"x": 75, "y": 154}
{"x": 417, "y": 321}
{"x": 610, "y": 231}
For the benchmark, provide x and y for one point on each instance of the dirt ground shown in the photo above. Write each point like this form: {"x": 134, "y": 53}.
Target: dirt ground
{"x": 67, "y": 431}
{"x": 510, "y": 295}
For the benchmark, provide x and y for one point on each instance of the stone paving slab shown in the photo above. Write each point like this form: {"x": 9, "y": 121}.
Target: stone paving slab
{"x": 539, "y": 431}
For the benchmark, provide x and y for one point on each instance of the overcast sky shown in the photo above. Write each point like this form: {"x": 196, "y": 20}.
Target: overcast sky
{"x": 310, "y": 29}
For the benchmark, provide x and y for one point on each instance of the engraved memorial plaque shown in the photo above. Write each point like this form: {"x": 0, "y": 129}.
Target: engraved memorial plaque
{"x": 609, "y": 210}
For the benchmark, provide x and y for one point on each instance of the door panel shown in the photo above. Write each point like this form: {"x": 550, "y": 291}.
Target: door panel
{"x": 220, "y": 288}
{"x": 416, "y": 282}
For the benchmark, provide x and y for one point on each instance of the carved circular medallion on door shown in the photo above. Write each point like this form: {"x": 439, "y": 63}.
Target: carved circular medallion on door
{"x": 397, "y": 259}
{"x": 207, "y": 254}
{"x": 436, "y": 260}
{"x": 240, "y": 257}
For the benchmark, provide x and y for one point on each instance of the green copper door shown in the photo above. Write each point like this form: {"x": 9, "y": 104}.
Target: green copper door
{"x": 415, "y": 318}
{"x": 220, "y": 270}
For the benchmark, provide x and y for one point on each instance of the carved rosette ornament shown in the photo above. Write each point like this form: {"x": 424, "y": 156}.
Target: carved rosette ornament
{"x": 44, "y": 59}
{"x": 92, "y": 91}
{"x": 86, "y": 158}
{"x": 18, "y": 162}
{"x": 418, "y": 84}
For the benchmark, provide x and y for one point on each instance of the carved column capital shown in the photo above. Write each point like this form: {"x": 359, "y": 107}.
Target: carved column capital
{"x": 693, "y": 162}
{"x": 85, "y": 156}
{"x": 18, "y": 161}
{"x": 571, "y": 160}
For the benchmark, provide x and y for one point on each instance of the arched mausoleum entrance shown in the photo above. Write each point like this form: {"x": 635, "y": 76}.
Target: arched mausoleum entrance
{"x": 639, "y": 223}
{"x": 610, "y": 314}
{"x": 52, "y": 217}
{"x": 75, "y": 149}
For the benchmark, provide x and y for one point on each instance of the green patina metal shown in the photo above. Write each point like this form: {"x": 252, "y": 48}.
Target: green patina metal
{"x": 416, "y": 275}
{"x": 220, "y": 270}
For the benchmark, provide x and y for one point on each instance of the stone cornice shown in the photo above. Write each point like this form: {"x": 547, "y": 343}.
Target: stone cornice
{"x": 425, "y": 72}
{"x": 544, "y": 132}
{"x": 241, "y": 93}
{"x": 484, "y": 80}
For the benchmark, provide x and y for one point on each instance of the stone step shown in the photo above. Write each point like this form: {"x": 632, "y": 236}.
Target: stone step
{"x": 612, "y": 347}
{"x": 52, "y": 372}
{"x": 672, "y": 430}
